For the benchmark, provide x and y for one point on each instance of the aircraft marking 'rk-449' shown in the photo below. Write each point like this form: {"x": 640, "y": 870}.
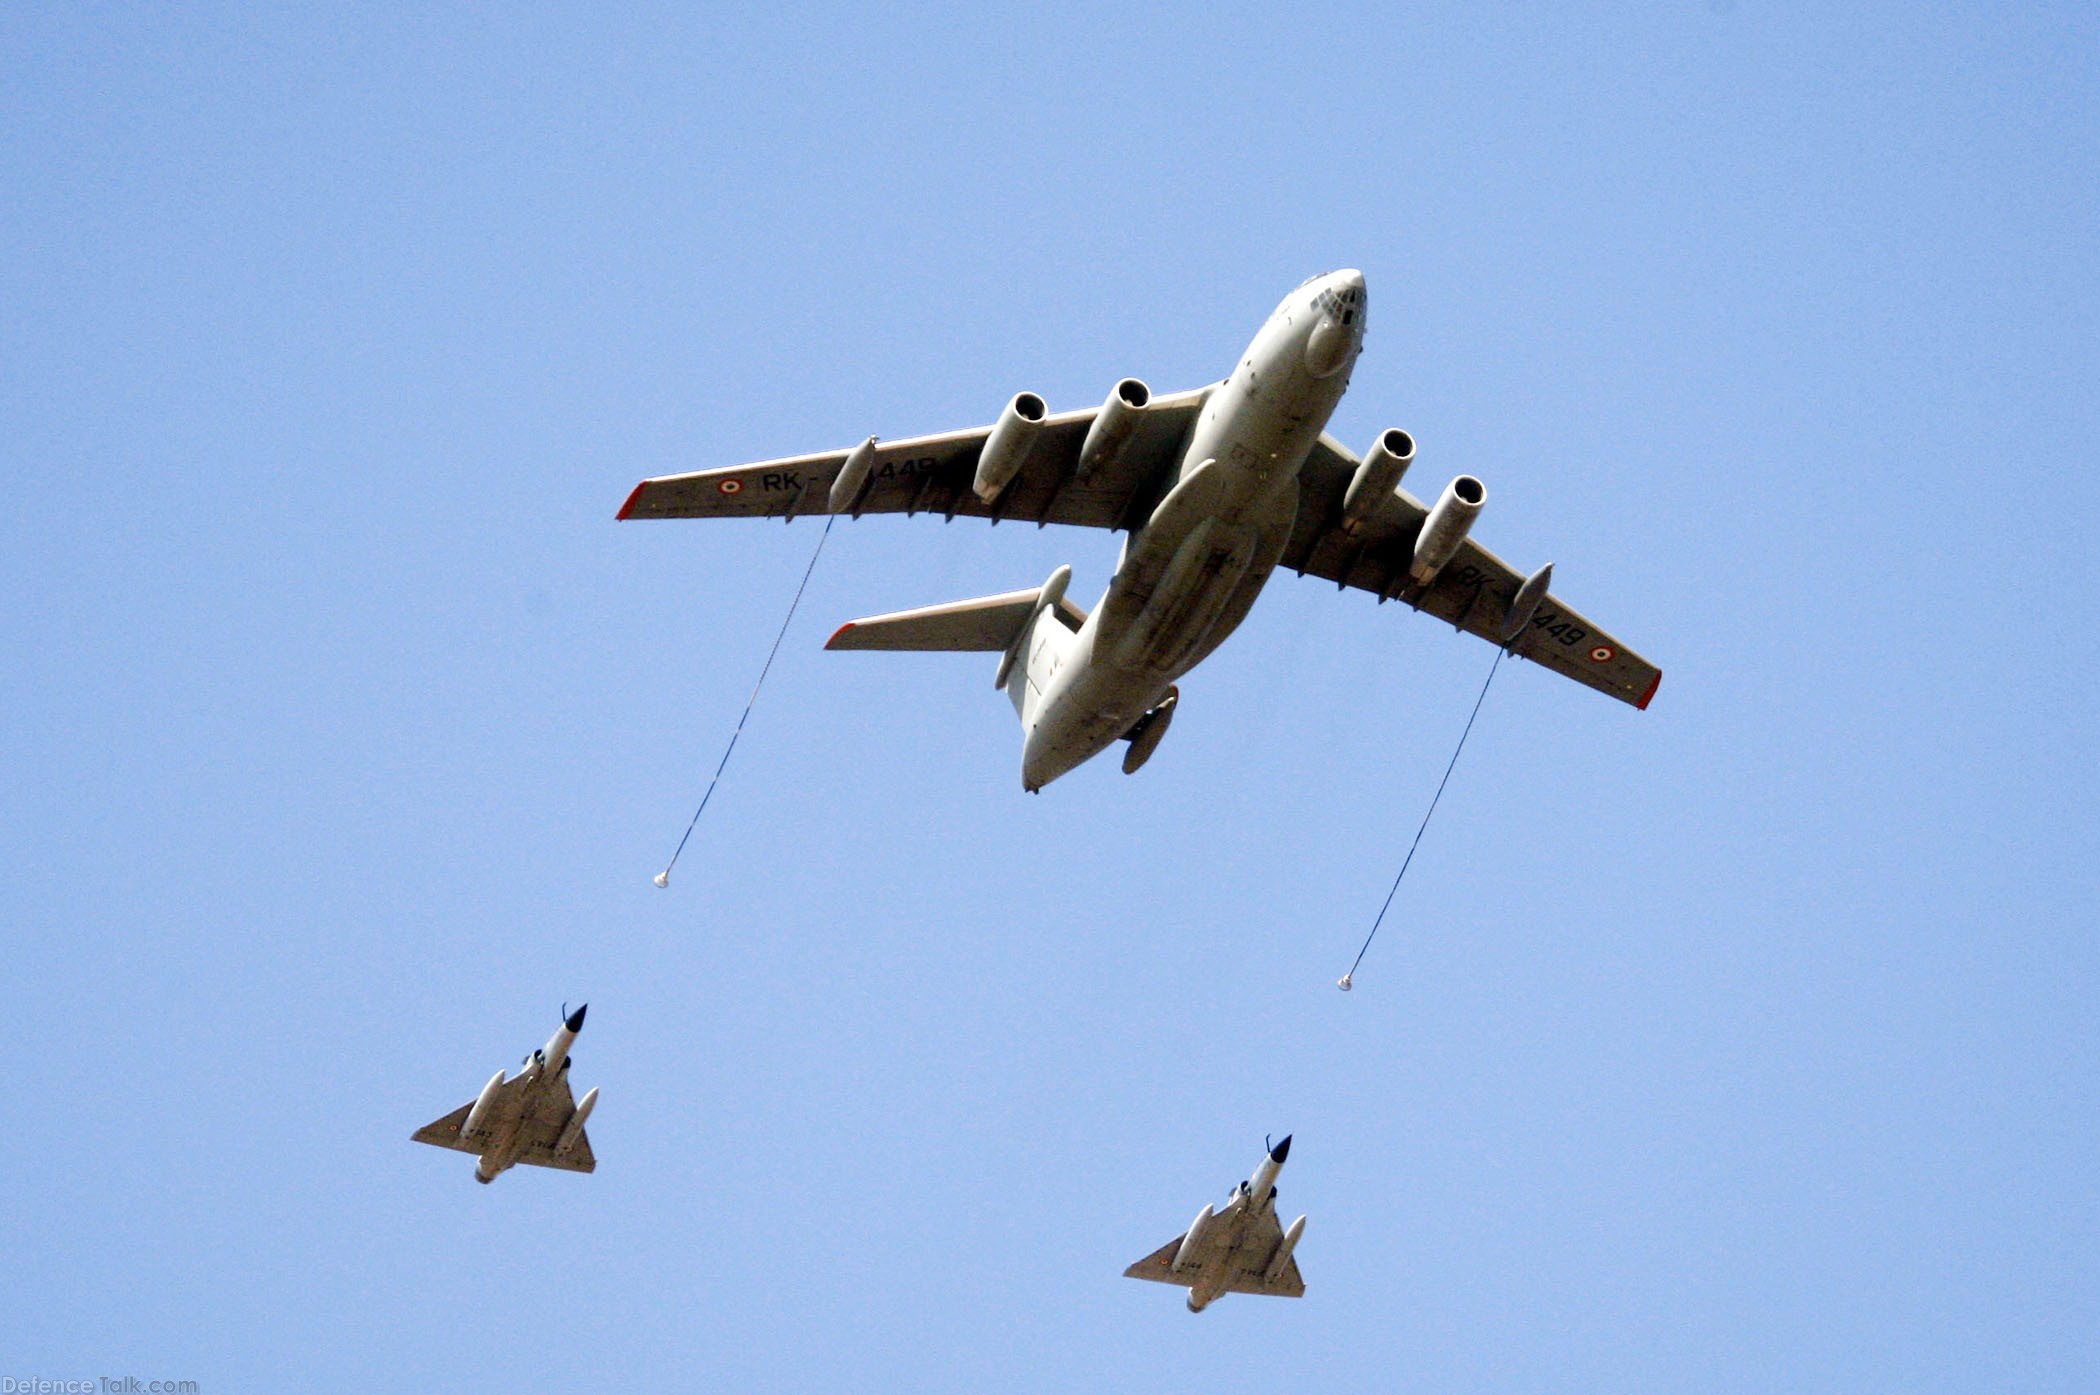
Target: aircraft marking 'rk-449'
{"x": 1215, "y": 489}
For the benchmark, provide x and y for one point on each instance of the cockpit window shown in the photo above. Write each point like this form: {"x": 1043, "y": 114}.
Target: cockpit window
{"x": 1346, "y": 306}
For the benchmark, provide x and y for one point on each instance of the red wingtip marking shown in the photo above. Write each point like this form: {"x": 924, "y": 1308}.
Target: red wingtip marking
{"x": 627, "y": 509}
{"x": 1649, "y": 696}
{"x": 837, "y": 634}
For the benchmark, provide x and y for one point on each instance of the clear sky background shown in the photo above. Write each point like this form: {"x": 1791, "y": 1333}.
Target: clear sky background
{"x": 1748, "y": 1043}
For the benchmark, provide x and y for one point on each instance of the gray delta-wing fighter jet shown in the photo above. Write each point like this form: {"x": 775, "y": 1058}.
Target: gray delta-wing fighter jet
{"x": 1214, "y": 489}
{"x": 529, "y": 1118}
{"x": 1238, "y": 1248}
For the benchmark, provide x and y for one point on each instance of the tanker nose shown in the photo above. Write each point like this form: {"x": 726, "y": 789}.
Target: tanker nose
{"x": 1349, "y": 279}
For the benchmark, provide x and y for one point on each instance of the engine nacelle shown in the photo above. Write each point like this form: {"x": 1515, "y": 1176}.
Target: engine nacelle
{"x": 1006, "y": 449}
{"x": 573, "y": 1130}
{"x": 1283, "y": 1251}
{"x": 478, "y": 1116}
{"x": 1376, "y": 478}
{"x": 1446, "y": 527}
{"x": 1113, "y": 425}
{"x": 1192, "y": 1243}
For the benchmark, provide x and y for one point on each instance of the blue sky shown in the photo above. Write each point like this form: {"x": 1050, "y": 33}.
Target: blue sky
{"x": 1748, "y": 1043}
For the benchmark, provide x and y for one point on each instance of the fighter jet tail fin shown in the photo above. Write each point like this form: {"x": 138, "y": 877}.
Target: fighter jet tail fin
{"x": 989, "y": 624}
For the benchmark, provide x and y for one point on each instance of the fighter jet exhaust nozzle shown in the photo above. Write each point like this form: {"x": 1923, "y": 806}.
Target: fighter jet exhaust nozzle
{"x": 1113, "y": 425}
{"x": 1006, "y": 449}
{"x": 1376, "y": 478}
{"x": 1446, "y": 527}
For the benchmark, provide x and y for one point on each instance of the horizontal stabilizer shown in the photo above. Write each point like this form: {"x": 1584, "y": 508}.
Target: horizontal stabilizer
{"x": 988, "y": 625}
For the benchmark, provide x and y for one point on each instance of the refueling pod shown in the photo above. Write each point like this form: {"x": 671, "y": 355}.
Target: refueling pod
{"x": 851, "y": 486}
{"x": 1529, "y": 597}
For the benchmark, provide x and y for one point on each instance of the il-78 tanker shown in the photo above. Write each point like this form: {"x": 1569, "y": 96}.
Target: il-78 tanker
{"x": 1213, "y": 489}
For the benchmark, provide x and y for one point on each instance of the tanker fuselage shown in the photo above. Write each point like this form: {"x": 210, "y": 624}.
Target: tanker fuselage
{"x": 1192, "y": 570}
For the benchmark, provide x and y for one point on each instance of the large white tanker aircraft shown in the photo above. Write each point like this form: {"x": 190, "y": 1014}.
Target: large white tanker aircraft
{"x": 1214, "y": 489}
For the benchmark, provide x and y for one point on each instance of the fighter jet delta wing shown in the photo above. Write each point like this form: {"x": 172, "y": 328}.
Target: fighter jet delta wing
{"x": 1239, "y": 1248}
{"x": 1066, "y": 471}
{"x": 1358, "y": 529}
{"x": 529, "y": 1118}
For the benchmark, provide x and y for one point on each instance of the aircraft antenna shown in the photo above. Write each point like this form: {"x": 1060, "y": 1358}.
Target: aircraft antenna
{"x": 1348, "y": 980}
{"x": 663, "y": 878}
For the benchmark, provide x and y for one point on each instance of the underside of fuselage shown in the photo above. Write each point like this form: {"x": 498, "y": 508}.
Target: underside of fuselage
{"x": 1192, "y": 571}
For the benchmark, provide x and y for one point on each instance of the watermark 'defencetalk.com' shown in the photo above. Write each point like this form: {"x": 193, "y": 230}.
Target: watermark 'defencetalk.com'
{"x": 96, "y": 1385}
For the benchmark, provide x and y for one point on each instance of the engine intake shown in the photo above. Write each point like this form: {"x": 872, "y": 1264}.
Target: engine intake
{"x": 1006, "y": 449}
{"x": 1376, "y": 478}
{"x": 1113, "y": 425}
{"x": 1446, "y": 527}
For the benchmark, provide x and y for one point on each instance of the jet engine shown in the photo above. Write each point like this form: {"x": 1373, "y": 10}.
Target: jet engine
{"x": 1006, "y": 449}
{"x": 1376, "y": 478}
{"x": 1113, "y": 425}
{"x": 1446, "y": 527}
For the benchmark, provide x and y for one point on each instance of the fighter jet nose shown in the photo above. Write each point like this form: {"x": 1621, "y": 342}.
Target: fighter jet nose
{"x": 1281, "y": 1150}
{"x": 574, "y": 1021}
